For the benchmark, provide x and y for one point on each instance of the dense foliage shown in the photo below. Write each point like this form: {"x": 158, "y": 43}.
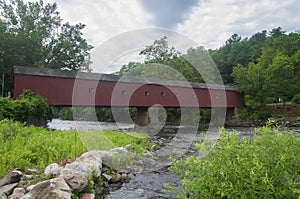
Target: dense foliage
{"x": 29, "y": 108}
{"x": 32, "y": 34}
{"x": 34, "y": 147}
{"x": 266, "y": 67}
{"x": 265, "y": 167}
{"x": 93, "y": 113}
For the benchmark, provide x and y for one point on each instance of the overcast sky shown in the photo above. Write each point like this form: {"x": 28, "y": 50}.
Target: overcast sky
{"x": 208, "y": 22}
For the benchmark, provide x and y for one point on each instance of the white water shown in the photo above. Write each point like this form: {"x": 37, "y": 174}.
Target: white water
{"x": 58, "y": 124}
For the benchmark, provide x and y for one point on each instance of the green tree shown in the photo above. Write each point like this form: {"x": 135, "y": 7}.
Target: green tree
{"x": 32, "y": 34}
{"x": 159, "y": 51}
{"x": 281, "y": 77}
{"x": 251, "y": 80}
{"x": 130, "y": 68}
{"x": 235, "y": 51}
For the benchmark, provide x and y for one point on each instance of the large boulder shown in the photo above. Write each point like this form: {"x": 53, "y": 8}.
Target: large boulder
{"x": 77, "y": 180}
{"x": 80, "y": 166}
{"x": 55, "y": 188}
{"x": 107, "y": 157}
{"x": 94, "y": 162}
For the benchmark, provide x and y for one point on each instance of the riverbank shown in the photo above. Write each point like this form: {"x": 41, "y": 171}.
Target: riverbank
{"x": 285, "y": 116}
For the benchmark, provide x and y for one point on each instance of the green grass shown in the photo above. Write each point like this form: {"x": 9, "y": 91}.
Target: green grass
{"x": 33, "y": 147}
{"x": 105, "y": 140}
{"x": 281, "y": 104}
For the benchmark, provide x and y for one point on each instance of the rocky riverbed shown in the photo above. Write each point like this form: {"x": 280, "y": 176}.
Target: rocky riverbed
{"x": 147, "y": 185}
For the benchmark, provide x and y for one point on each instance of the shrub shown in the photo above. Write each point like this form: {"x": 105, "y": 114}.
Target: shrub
{"x": 296, "y": 99}
{"x": 66, "y": 113}
{"x": 260, "y": 114}
{"x": 5, "y": 108}
{"x": 266, "y": 167}
{"x": 29, "y": 108}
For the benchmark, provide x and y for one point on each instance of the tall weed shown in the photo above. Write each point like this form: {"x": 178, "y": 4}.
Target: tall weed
{"x": 28, "y": 146}
{"x": 266, "y": 167}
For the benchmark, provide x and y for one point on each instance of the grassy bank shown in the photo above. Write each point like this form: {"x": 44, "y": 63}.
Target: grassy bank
{"x": 33, "y": 147}
{"x": 265, "y": 167}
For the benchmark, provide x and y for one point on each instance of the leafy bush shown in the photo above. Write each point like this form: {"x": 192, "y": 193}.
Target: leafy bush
{"x": 5, "y": 108}
{"x": 296, "y": 99}
{"x": 29, "y": 108}
{"x": 266, "y": 167}
{"x": 260, "y": 114}
{"x": 243, "y": 114}
{"x": 66, "y": 113}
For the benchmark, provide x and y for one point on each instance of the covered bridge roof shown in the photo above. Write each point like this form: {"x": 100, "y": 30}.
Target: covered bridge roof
{"x": 36, "y": 71}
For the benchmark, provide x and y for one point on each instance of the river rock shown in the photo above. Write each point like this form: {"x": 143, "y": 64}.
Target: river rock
{"x": 52, "y": 169}
{"x": 87, "y": 196}
{"x": 124, "y": 177}
{"x": 55, "y": 188}
{"x": 12, "y": 177}
{"x": 107, "y": 156}
{"x": 147, "y": 185}
{"x": 93, "y": 161}
{"x": 17, "y": 194}
{"x": 8, "y": 188}
{"x": 27, "y": 177}
{"x": 28, "y": 189}
{"x": 117, "y": 178}
{"x": 77, "y": 180}
{"x": 32, "y": 171}
{"x": 107, "y": 177}
{"x": 80, "y": 166}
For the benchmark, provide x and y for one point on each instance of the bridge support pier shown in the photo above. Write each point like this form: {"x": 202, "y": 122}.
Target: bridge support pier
{"x": 142, "y": 119}
{"x": 232, "y": 118}
{"x": 230, "y": 113}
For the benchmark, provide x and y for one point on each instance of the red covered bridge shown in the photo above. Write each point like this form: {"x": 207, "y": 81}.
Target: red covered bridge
{"x": 68, "y": 88}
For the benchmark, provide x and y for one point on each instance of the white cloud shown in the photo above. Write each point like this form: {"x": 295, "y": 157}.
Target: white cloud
{"x": 103, "y": 18}
{"x": 213, "y": 22}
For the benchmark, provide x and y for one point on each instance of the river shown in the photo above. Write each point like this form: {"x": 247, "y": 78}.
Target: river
{"x": 58, "y": 124}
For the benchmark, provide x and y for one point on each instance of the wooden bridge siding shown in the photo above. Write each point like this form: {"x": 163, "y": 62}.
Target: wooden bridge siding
{"x": 59, "y": 91}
